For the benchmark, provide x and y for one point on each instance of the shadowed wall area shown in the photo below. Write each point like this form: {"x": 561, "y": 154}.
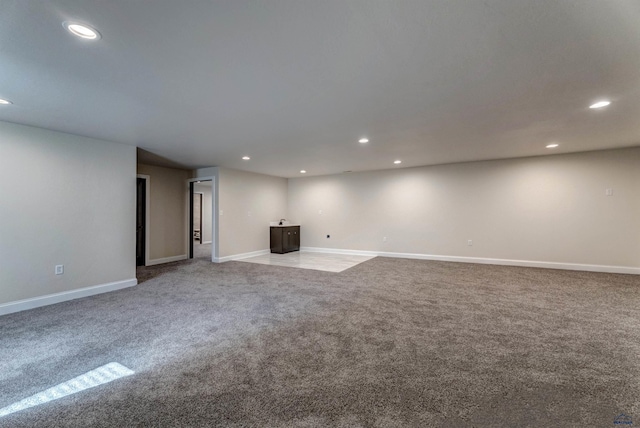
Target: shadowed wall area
{"x": 387, "y": 343}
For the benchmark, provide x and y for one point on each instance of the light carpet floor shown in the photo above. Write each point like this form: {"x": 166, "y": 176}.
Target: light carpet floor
{"x": 387, "y": 343}
{"x": 201, "y": 251}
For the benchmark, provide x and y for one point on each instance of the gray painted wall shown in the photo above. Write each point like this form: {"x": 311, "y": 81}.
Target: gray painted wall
{"x": 248, "y": 202}
{"x": 550, "y": 208}
{"x": 65, "y": 200}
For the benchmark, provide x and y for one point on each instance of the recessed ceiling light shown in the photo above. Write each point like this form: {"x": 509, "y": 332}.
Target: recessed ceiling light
{"x": 552, "y": 146}
{"x": 5, "y": 102}
{"x": 397, "y": 162}
{"x": 600, "y": 104}
{"x": 81, "y": 30}
{"x": 363, "y": 140}
{"x": 302, "y": 171}
{"x": 245, "y": 158}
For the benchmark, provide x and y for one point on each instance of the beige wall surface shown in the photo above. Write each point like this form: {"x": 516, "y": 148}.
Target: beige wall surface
{"x": 205, "y": 188}
{"x": 167, "y": 211}
{"x": 64, "y": 200}
{"x": 248, "y": 203}
{"x": 551, "y": 209}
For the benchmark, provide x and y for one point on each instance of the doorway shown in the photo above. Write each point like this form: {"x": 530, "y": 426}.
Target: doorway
{"x": 197, "y": 218}
{"x": 200, "y": 219}
{"x": 141, "y": 221}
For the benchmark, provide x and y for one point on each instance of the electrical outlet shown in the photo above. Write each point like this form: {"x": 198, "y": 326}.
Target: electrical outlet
{"x": 221, "y": 212}
{"x": 470, "y": 242}
{"x": 320, "y": 212}
{"x": 608, "y": 192}
{"x": 384, "y": 239}
{"x": 59, "y": 269}
{"x": 248, "y": 213}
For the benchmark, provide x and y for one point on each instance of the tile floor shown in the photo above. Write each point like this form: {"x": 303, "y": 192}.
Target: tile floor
{"x": 305, "y": 260}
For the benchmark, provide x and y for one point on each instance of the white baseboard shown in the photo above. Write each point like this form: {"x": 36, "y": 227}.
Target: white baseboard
{"x": 167, "y": 260}
{"x": 480, "y": 260}
{"x": 241, "y": 256}
{"x": 50, "y": 299}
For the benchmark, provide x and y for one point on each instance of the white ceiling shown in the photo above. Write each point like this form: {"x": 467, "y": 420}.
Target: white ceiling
{"x": 295, "y": 83}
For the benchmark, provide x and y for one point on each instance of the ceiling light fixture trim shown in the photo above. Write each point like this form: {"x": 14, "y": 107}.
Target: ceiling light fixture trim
{"x": 5, "y": 101}
{"x": 81, "y": 30}
{"x": 600, "y": 104}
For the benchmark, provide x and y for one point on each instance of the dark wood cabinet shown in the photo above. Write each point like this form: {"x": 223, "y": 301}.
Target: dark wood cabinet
{"x": 285, "y": 239}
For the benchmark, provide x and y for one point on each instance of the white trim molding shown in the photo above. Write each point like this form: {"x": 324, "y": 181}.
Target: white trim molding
{"x": 480, "y": 260}
{"x": 241, "y": 256}
{"x": 50, "y": 299}
{"x": 167, "y": 260}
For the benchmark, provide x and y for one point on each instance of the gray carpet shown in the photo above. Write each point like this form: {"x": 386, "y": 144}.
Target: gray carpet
{"x": 387, "y": 343}
{"x": 201, "y": 251}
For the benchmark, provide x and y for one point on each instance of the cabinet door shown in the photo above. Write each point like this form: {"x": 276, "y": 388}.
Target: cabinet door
{"x": 276, "y": 240}
{"x": 295, "y": 240}
{"x": 287, "y": 239}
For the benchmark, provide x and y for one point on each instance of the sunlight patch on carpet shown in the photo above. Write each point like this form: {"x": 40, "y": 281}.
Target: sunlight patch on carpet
{"x": 100, "y": 376}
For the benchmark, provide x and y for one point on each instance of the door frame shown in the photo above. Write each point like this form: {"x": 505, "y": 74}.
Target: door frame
{"x": 214, "y": 215}
{"x": 147, "y": 211}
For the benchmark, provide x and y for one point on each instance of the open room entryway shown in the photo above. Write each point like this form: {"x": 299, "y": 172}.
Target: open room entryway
{"x": 197, "y": 217}
{"x": 142, "y": 212}
{"x": 200, "y": 219}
